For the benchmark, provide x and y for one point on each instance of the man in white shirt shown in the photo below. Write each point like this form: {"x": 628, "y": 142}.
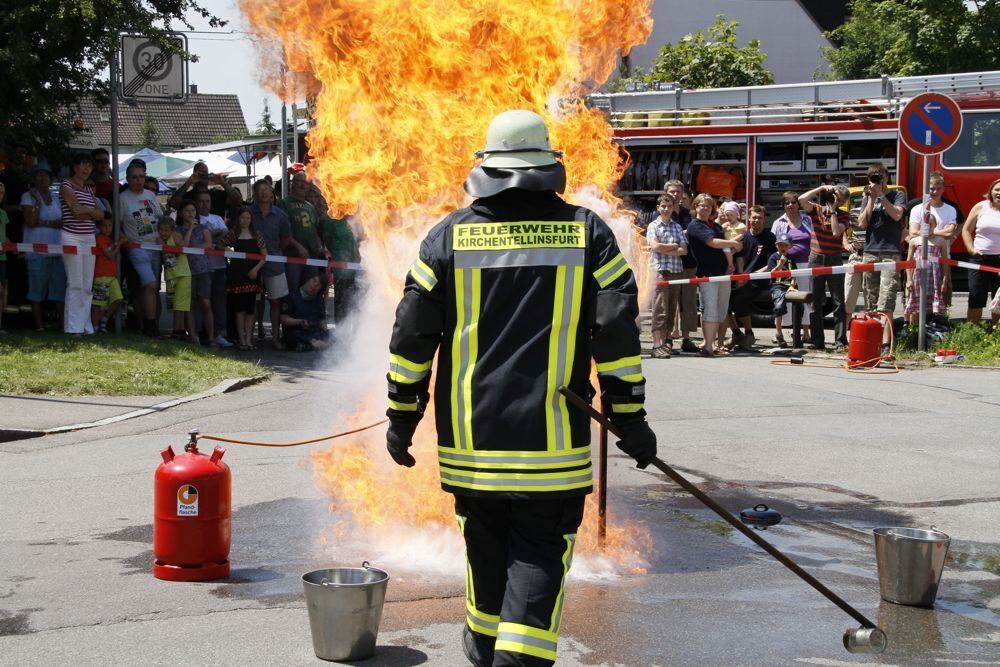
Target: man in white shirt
{"x": 939, "y": 222}
{"x": 139, "y": 211}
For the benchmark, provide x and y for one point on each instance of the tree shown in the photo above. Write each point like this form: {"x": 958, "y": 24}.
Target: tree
{"x": 916, "y": 37}
{"x": 52, "y": 55}
{"x": 148, "y": 136}
{"x": 265, "y": 125}
{"x": 712, "y": 61}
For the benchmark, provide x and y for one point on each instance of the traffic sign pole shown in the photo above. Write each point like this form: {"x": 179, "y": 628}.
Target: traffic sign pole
{"x": 115, "y": 198}
{"x": 925, "y": 269}
{"x": 929, "y": 124}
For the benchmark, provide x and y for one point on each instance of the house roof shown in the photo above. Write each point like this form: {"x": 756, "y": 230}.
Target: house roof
{"x": 202, "y": 119}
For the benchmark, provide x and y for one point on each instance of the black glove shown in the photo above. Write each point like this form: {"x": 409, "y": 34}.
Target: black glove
{"x": 638, "y": 441}
{"x": 398, "y": 439}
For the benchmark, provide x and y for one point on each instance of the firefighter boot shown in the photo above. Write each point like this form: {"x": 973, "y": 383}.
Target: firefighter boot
{"x": 478, "y": 648}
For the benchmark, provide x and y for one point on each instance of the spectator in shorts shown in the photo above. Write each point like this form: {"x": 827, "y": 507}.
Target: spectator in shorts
{"x": 827, "y": 249}
{"x": 758, "y": 246}
{"x": 107, "y": 291}
{"x": 304, "y": 317}
{"x": 342, "y": 246}
{"x": 780, "y": 260}
{"x": 273, "y": 226}
{"x": 216, "y": 227}
{"x": 881, "y": 217}
{"x": 798, "y": 227}
{"x": 667, "y": 244}
{"x": 138, "y": 216}
{"x": 687, "y": 319}
{"x": 197, "y": 236}
{"x": 706, "y": 242}
{"x": 939, "y": 220}
{"x": 981, "y": 234}
{"x": 177, "y": 274}
{"x": 243, "y": 280}
{"x": 42, "y": 222}
{"x": 304, "y": 221}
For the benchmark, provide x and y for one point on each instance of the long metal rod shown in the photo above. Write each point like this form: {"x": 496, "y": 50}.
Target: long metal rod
{"x": 602, "y": 484}
{"x": 727, "y": 516}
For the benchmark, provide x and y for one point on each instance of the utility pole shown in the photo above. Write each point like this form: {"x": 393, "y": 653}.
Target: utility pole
{"x": 115, "y": 199}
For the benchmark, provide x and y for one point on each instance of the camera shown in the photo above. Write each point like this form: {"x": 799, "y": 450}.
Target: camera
{"x": 875, "y": 179}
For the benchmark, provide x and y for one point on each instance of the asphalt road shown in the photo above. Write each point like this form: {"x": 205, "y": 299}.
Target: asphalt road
{"x": 837, "y": 454}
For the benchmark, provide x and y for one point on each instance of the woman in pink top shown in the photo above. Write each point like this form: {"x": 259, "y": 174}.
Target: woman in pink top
{"x": 981, "y": 235}
{"x": 79, "y": 213}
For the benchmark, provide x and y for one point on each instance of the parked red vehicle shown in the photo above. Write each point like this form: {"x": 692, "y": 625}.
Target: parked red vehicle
{"x": 751, "y": 144}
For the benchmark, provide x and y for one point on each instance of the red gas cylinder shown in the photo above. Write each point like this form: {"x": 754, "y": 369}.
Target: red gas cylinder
{"x": 191, "y": 529}
{"x": 865, "y": 342}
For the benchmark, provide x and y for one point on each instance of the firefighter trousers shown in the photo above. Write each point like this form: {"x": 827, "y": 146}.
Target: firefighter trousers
{"x": 518, "y": 553}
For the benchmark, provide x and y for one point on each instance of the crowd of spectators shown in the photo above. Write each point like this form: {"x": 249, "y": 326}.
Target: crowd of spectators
{"x": 215, "y": 301}
{"x": 704, "y": 237}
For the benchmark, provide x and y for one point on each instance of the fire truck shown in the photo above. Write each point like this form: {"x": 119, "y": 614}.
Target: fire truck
{"x": 751, "y": 144}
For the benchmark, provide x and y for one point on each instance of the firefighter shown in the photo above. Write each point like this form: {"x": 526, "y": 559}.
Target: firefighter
{"x": 518, "y": 291}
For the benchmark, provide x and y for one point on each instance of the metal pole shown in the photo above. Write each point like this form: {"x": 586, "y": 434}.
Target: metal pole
{"x": 602, "y": 483}
{"x": 729, "y": 518}
{"x": 295, "y": 133}
{"x": 114, "y": 166}
{"x": 924, "y": 277}
{"x": 284, "y": 149}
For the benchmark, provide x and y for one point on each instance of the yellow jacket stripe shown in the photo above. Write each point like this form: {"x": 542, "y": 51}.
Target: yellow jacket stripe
{"x": 404, "y": 371}
{"x": 562, "y": 350}
{"x": 608, "y": 273}
{"x": 423, "y": 274}
{"x": 499, "y": 459}
{"x": 404, "y": 407}
{"x": 625, "y": 408}
{"x": 464, "y": 350}
{"x": 527, "y": 640}
{"x": 626, "y": 368}
{"x": 517, "y": 481}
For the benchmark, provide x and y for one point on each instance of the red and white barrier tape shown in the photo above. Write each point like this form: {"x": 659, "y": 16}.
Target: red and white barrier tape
{"x": 796, "y": 273}
{"x": 53, "y": 249}
{"x": 969, "y": 265}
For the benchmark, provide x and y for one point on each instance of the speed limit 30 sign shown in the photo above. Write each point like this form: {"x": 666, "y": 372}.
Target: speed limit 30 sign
{"x": 151, "y": 73}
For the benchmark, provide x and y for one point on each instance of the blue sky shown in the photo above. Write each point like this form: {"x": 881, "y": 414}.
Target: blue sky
{"x": 228, "y": 62}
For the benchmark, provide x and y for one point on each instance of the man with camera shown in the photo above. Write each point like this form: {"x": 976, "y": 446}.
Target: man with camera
{"x": 224, "y": 197}
{"x": 882, "y": 218}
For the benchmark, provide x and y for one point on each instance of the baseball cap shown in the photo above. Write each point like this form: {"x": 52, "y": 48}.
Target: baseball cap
{"x": 784, "y": 238}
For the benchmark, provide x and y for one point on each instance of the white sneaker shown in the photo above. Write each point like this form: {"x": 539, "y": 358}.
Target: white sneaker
{"x": 221, "y": 341}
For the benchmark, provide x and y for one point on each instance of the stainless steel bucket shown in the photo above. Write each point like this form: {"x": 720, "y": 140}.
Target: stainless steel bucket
{"x": 910, "y": 564}
{"x": 345, "y": 608}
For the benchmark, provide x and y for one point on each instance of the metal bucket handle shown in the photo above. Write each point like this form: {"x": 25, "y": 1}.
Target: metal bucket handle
{"x": 889, "y": 533}
{"x": 326, "y": 582}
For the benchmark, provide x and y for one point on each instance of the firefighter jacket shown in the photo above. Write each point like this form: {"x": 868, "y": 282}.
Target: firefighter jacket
{"x": 518, "y": 292}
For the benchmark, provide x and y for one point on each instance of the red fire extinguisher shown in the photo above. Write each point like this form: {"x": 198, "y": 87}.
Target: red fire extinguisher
{"x": 191, "y": 515}
{"x": 864, "y": 350}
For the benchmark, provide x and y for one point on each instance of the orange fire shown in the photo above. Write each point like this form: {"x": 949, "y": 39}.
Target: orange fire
{"x": 401, "y": 94}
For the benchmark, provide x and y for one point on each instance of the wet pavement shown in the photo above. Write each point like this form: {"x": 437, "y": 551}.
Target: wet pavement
{"x": 835, "y": 456}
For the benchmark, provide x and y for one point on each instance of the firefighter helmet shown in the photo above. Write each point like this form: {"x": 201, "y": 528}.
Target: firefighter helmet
{"x": 517, "y": 139}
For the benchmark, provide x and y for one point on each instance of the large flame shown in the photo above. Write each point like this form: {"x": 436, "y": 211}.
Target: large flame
{"x": 402, "y": 92}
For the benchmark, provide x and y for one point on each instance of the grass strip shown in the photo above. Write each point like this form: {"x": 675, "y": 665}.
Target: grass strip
{"x": 979, "y": 344}
{"x": 125, "y": 365}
